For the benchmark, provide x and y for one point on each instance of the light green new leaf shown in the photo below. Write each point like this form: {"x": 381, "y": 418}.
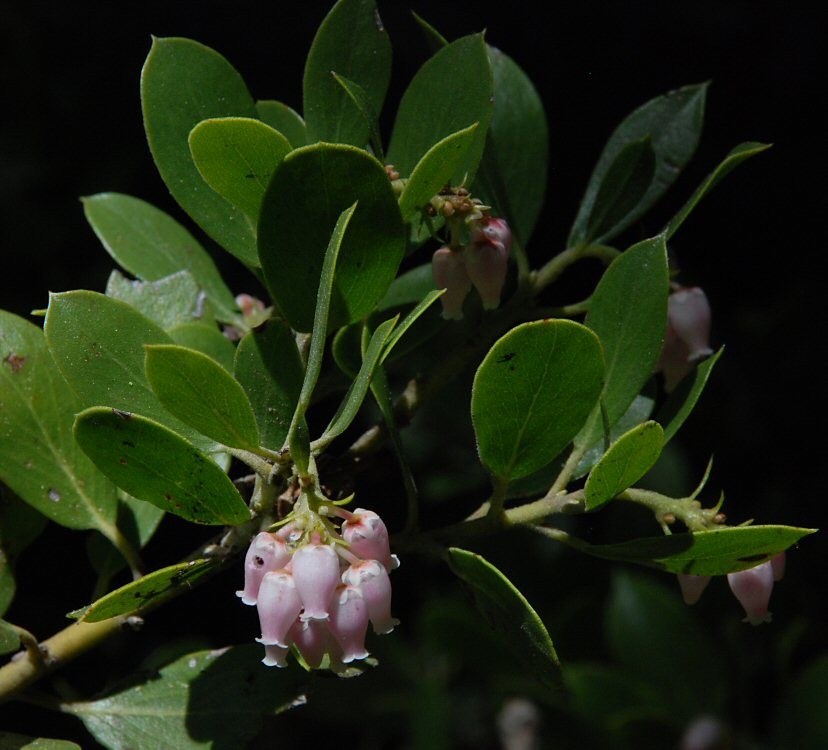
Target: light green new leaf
{"x": 450, "y": 92}
{"x": 201, "y": 393}
{"x": 182, "y": 83}
{"x": 703, "y": 553}
{"x": 532, "y": 393}
{"x": 39, "y": 459}
{"x": 270, "y": 371}
{"x": 152, "y": 463}
{"x": 674, "y": 122}
{"x": 206, "y": 339}
{"x": 409, "y": 320}
{"x": 352, "y": 42}
{"x": 740, "y": 153}
{"x": 628, "y": 312}
{"x": 627, "y": 460}
{"x": 98, "y": 345}
{"x": 150, "y": 590}
{"x": 168, "y": 302}
{"x": 205, "y": 699}
{"x": 237, "y": 156}
{"x": 683, "y": 399}
{"x": 508, "y": 612}
{"x": 309, "y": 191}
{"x": 284, "y": 119}
{"x": 435, "y": 170}
{"x": 152, "y": 245}
{"x": 513, "y": 171}
{"x": 12, "y": 741}
{"x": 622, "y": 187}
{"x": 9, "y": 638}
{"x": 20, "y": 525}
{"x": 349, "y": 407}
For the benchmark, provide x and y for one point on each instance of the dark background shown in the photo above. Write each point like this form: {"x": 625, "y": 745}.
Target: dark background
{"x": 71, "y": 126}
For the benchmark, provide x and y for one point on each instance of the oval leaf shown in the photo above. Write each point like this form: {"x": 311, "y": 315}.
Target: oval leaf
{"x": 202, "y": 394}
{"x": 452, "y": 91}
{"x": 152, "y": 463}
{"x": 150, "y": 590}
{"x": 352, "y": 42}
{"x": 206, "y": 339}
{"x": 309, "y": 191}
{"x": 284, "y": 119}
{"x": 237, "y": 156}
{"x": 182, "y": 83}
{"x": 627, "y": 460}
{"x": 532, "y": 393}
{"x": 152, "y": 245}
{"x": 508, "y": 612}
{"x": 674, "y": 122}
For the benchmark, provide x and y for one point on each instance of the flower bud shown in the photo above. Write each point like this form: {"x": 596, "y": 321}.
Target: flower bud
{"x": 494, "y": 230}
{"x": 449, "y": 271}
{"x": 486, "y": 265}
{"x": 349, "y": 621}
{"x": 266, "y": 552}
{"x": 692, "y": 586}
{"x": 371, "y": 578}
{"x": 368, "y": 538}
{"x": 686, "y": 339}
{"x": 279, "y": 605}
{"x": 312, "y": 638}
{"x": 275, "y": 656}
{"x": 753, "y": 588}
{"x": 316, "y": 572}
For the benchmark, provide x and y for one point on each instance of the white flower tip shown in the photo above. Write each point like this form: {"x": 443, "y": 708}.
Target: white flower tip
{"x": 348, "y": 658}
{"x": 249, "y": 600}
{"x": 270, "y": 642}
{"x": 386, "y": 627}
{"x": 395, "y": 562}
{"x": 699, "y": 354}
{"x": 308, "y": 616}
{"x": 275, "y": 657}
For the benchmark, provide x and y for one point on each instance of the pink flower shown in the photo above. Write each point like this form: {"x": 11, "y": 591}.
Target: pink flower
{"x": 448, "y": 268}
{"x": 313, "y": 639}
{"x": 349, "y": 621}
{"x": 686, "y": 340}
{"x": 778, "y": 565}
{"x": 316, "y": 572}
{"x": 692, "y": 586}
{"x": 279, "y": 606}
{"x": 487, "y": 260}
{"x": 753, "y": 588}
{"x": 371, "y": 578}
{"x": 275, "y": 656}
{"x": 367, "y": 536}
{"x": 267, "y": 552}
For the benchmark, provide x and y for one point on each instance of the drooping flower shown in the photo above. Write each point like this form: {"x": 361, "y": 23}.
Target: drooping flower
{"x": 753, "y": 588}
{"x": 267, "y": 552}
{"x": 279, "y": 605}
{"x": 316, "y": 572}
{"x": 367, "y": 536}
{"x": 692, "y": 586}
{"x": 687, "y": 338}
{"x": 371, "y": 578}
{"x": 487, "y": 260}
{"x": 349, "y": 622}
{"x": 448, "y": 267}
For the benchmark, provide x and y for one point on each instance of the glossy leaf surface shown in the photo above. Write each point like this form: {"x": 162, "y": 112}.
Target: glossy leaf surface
{"x": 152, "y": 463}
{"x": 202, "y": 394}
{"x": 309, "y": 191}
{"x": 152, "y": 245}
{"x": 532, "y": 393}
{"x": 284, "y": 119}
{"x": 352, "y": 42}
{"x": 182, "y": 83}
{"x": 507, "y": 611}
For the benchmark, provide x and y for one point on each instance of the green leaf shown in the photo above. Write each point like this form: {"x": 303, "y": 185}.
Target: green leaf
{"x": 704, "y": 553}
{"x": 237, "y": 156}
{"x": 152, "y": 245}
{"x": 39, "y": 460}
{"x": 509, "y": 614}
{"x": 627, "y": 460}
{"x": 353, "y": 42}
{"x": 532, "y": 393}
{"x": 207, "y": 340}
{"x": 740, "y": 153}
{"x": 622, "y": 188}
{"x": 152, "y": 463}
{"x": 202, "y": 394}
{"x": 182, "y": 83}
{"x": 148, "y": 591}
{"x": 270, "y": 371}
{"x": 435, "y": 170}
{"x": 168, "y": 302}
{"x": 204, "y": 699}
{"x": 298, "y": 437}
{"x": 683, "y": 399}
{"x": 9, "y": 638}
{"x": 359, "y": 97}
{"x": 20, "y": 525}
{"x": 309, "y": 191}
{"x": 435, "y": 40}
{"x": 408, "y": 288}
{"x": 652, "y": 633}
{"x": 513, "y": 171}
{"x": 410, "y": 320}
{"x": 12, "y": 741}
{"x": 98, "y": 345}
{"x": 284, "y": 119}
{"x": 674, "y": 122}
{"x": 450, "y": 92}
{"x": 800, "y": 720}
{"x": 628, "y": 312}
{"x": 349, "y": 407}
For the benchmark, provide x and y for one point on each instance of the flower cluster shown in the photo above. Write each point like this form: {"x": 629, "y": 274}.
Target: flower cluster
{"x": 482, "y": 262}
{"x": 317, "y": 590}
{"x": 752, "y": 587}
{"x": 686, "y": 340}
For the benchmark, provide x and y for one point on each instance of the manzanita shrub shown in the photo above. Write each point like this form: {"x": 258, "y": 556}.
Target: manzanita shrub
{"x": 393, "y": 271}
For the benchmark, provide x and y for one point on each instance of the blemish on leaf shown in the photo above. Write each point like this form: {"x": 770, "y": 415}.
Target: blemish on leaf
{"x": 128, "y": 443}
{"x": 507, "y": 357}
{"x": 125, "y": 415}
{"x": 54, "y": 495}
{"x": 122, "y": 461}
{"x": 754, "y": 558}
{"x": 378, "y": 21}
{"x": 15, "y": 361}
